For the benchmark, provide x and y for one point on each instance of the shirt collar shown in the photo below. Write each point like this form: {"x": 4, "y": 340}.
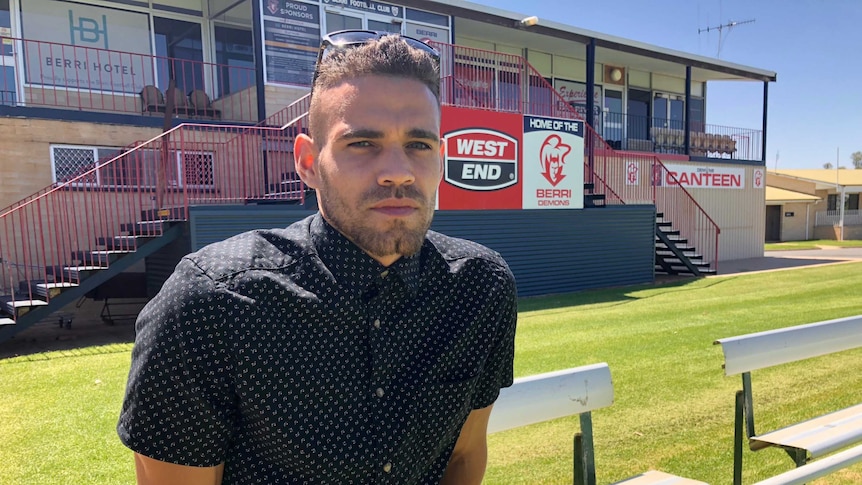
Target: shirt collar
{"x": 352, "y": 267}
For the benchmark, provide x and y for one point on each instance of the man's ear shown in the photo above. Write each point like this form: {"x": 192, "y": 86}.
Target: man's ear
{"x": 305, "y": 160}
{"x": 442, "y": 158}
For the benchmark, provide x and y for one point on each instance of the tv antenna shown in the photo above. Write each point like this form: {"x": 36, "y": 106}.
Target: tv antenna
{"x": 721, "y": 28}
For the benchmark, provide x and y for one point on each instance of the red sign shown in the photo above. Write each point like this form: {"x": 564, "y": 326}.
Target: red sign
{"x": 481, "y": 169}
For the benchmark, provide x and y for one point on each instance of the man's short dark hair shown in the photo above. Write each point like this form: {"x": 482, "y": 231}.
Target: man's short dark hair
{"x": 387, "y": 56}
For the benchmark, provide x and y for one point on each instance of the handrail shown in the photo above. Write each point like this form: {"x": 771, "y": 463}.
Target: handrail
{"x": 52, "y": 235}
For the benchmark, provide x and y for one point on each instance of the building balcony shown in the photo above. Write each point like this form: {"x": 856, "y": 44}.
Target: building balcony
{"x": 653, "y": 135}
{"x": 70, "y": 77}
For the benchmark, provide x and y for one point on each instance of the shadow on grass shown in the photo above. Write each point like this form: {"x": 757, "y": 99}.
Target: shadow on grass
{"x": 85, "y": 337}
{"x": 619, "y": 295}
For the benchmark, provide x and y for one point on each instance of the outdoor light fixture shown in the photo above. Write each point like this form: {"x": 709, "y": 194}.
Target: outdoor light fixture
{"x": 616, "y": 75}
{"x": 528, "y": 21}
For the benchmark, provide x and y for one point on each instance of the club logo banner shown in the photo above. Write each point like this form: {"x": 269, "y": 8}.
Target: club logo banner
{"x": 553, "y": 159}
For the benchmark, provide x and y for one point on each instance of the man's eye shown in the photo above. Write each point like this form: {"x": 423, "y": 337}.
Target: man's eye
{"x": 361, "y": 144}
{"x": 418, "y": 145}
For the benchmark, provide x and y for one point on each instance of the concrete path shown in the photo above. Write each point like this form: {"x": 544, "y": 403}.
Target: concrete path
{"x": 783, "y": 260}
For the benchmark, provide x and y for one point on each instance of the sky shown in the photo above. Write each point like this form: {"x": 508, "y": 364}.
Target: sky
{"x": 814, "y": 46}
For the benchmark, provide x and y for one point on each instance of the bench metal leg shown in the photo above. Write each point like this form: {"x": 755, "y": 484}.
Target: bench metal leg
{"x": 584, "y": 458}
{"x": 799, "y": 456}
{"x": 738, "y": 438}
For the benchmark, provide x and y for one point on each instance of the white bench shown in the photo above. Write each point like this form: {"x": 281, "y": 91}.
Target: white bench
{"x": 579, "y": 390}
{"x": 809, "y": 439}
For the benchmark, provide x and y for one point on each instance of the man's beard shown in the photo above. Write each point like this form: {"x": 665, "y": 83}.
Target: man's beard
{"x": 403, "y": 237}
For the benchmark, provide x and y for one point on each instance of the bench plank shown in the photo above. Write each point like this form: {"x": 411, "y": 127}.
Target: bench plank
{"x": 821, "y": 435}
{"x": 753, "y": 351}
{"x": 817, "y": 469}
{"x": 552, "y": 395}
{"x": 658, "y": 478}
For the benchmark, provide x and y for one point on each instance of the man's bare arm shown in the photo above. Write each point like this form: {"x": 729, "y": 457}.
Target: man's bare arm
{"x": 470, "y": 456}
{"x": 154, "y": 472}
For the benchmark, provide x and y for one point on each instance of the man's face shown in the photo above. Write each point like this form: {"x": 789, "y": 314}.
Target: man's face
{"x": 377, "y": 163}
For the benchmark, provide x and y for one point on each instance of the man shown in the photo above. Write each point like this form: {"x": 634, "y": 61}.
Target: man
{"x": 355, "y": 346}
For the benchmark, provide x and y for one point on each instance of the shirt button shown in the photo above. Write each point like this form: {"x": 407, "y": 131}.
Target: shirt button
{"x": 376, "y": 323}
{"x": 387, "y": 467}
{"x": 379, "y": 393}
{"x": 384, "y": 274}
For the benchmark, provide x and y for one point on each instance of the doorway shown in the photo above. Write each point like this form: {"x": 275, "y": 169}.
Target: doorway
{"x": 773, "y": 223}
{"x": 612, "y": 127}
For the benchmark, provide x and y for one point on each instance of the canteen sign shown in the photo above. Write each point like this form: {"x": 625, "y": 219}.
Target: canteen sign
{"x": 700, "y": 177}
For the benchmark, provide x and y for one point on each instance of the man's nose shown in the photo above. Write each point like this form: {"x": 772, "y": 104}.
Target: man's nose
{"x": 395, "y": 167}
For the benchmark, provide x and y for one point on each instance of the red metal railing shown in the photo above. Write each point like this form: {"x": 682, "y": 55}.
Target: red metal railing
{"x": 50, "y": 74}
{"x": 157, "y": 180}
{"x": 495, "y": 81}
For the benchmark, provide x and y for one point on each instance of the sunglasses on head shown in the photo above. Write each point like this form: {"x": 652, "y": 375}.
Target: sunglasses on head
{"x": 346, "y": 39}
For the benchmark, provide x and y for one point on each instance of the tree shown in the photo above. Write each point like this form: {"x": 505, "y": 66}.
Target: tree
{"x": 856, "y": 157}
{"x": 827, "y": 165}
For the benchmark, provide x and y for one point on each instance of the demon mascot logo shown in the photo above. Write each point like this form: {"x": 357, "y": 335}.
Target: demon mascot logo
{"x": 553, "y": 158}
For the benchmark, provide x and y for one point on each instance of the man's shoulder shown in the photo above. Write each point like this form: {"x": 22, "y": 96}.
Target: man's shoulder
{"x": 256, "y": 249}
{"x": 453, "y": 249}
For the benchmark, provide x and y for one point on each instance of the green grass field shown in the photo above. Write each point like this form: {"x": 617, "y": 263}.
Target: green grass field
{"x": 673, "y": 409}
{"x": 815, "y": 244}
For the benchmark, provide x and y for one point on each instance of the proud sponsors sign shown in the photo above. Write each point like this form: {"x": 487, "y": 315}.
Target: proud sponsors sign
{"x": 553, "y": 160}
{"x": 481, "y": 168}
{"x": 699, "y": 177}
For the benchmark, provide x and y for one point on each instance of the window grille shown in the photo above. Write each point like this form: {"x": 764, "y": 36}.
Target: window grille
{"x": 136, "y": 169}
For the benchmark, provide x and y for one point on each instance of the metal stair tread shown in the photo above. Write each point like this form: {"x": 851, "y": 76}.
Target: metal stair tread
{"x": 25, "y": 303}
{"x": 84, "y": 268}
{"x": 6, "y": 321}
{"x": 48, "y": 286}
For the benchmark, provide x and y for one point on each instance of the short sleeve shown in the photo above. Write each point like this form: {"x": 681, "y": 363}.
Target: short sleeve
{"x": 179, "y": 405}
{"x": 498, "y": 370}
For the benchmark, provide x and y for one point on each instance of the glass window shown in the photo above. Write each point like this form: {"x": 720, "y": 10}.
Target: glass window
{"x": 180, "y": 51}
{"x": 638, "y": 112}
{"x": 677, "y": 113}
{"x": 336, "y": 22}
{"x": 5, "y": 17}
{"x": 384, "y": 26}
{"x": 509, "y": 97}
{"x": 697, "y": 115}
{"x": 542, "y": 97}
{"x": 852, "y": 203}
{"x": 613, "y": 114}
{"x": 427, "y": 17}
{"x": 8, "y": 89}
{"x": 659, "y": 111}
{"x": 235, "y": 59}
{"x": 5, "y": 27}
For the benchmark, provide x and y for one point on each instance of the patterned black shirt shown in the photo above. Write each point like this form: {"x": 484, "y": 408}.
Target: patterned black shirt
{"x": 294, "y": 357}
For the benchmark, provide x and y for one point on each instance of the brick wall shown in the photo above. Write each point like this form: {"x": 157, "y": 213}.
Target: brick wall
{"x": 25, "y": 167}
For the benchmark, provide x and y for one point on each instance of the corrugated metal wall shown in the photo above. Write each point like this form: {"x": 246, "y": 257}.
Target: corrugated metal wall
{"x": 549, "y": 251}
{"x": 161, "y": 264}
{"x": 739, "y": 213}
